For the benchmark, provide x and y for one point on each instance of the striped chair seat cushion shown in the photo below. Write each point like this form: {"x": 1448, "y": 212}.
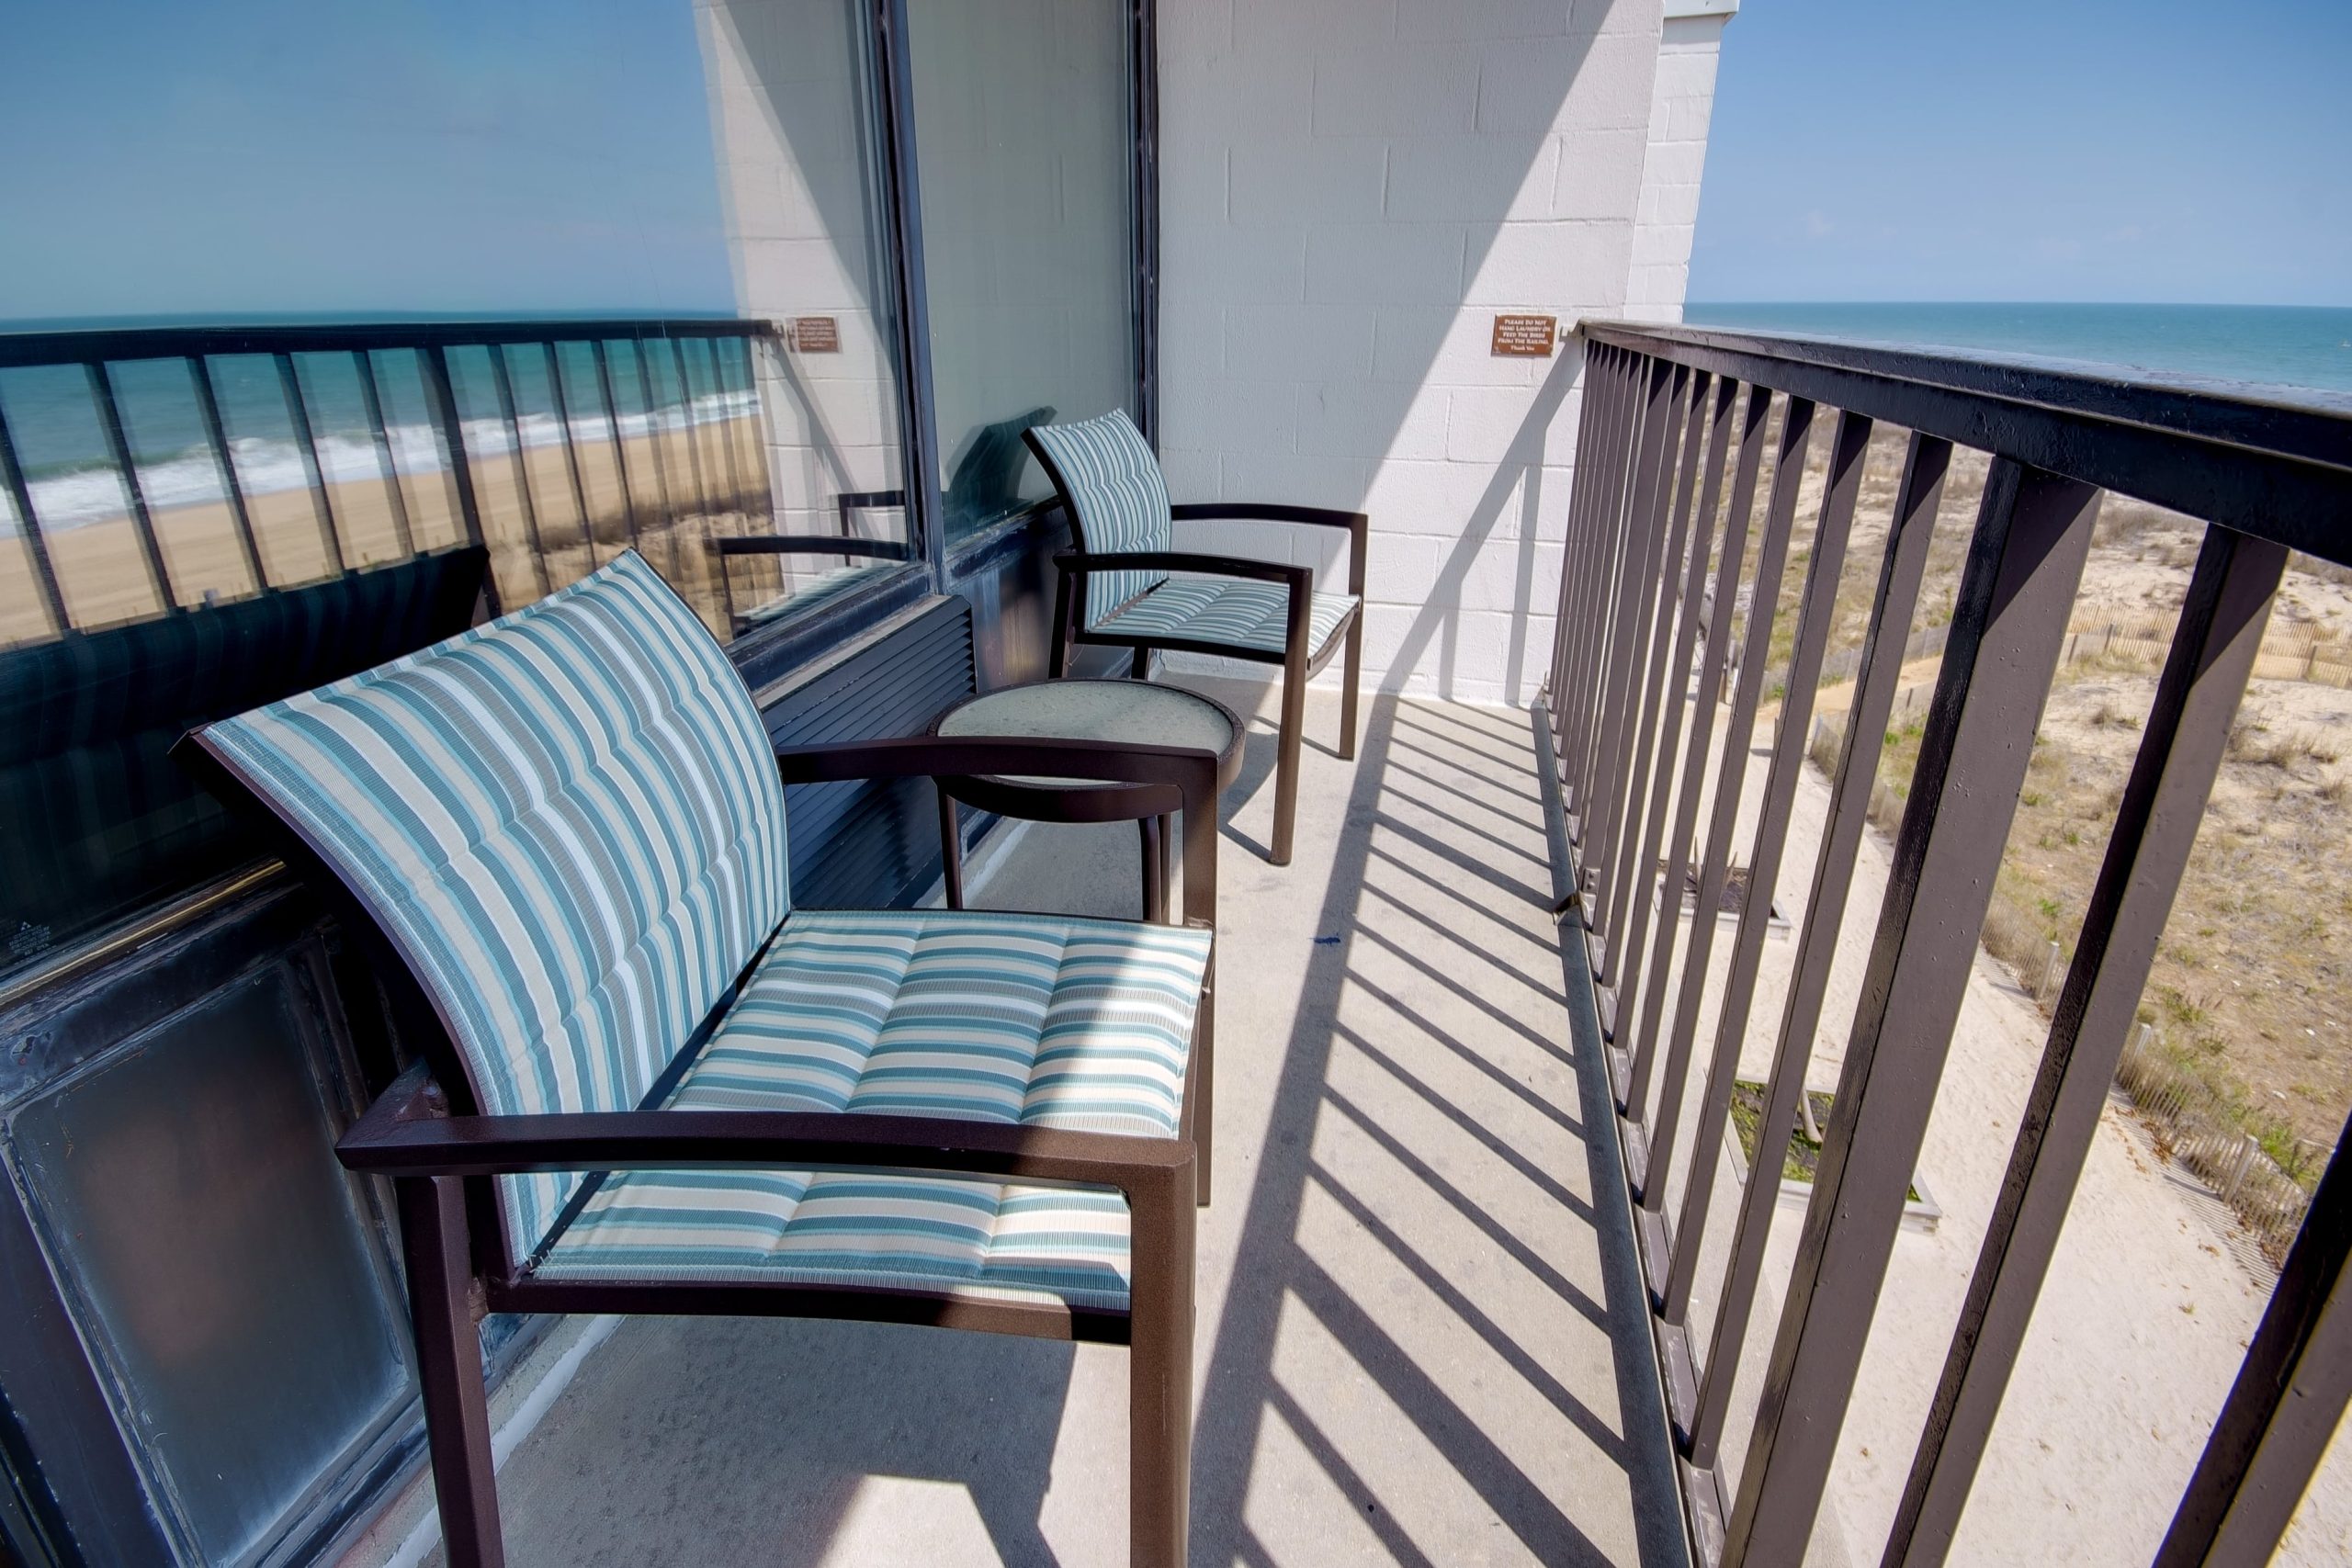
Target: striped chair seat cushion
{"x": 927, "y": 1234}
{"x": 1229, "y": 610}
{"x": 1038, "y": 1019}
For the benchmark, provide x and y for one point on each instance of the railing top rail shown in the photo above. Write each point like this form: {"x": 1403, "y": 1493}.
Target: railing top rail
{"x": 26, "y": 349}
{"x": 2275, "y": 470}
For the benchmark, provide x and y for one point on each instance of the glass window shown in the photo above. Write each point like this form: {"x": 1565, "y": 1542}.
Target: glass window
{"x": 802, "y": 180}
{"x": 1024, "y": 145}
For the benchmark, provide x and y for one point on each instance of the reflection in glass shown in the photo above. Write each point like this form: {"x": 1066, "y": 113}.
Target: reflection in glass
{"x": 369, "y": 515}
{"x": 1022, "y": 130}
{"x": 296, "y": 535}
{"x": 206, "y": 547}
{"x": 104, "y": 572}
{"x": 221, "y": 1264}
{"x": 426, "y": 488}
{"x": 802, "y": 178}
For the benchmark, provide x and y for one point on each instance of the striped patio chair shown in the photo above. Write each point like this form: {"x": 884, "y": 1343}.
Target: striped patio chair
{"x": 1126, "y": 586}
{"x": 648, "y": 1083}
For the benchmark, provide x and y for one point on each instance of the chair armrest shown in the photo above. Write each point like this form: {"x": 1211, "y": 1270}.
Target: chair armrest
{"x": 809, "y": 545}
{"x": 410, "y": 1133}
{"x": 1268, "y": 511}
{"x": 1357, "y": 523}
{"x": 1189, "y": 771}
{"x": 1300, "y": 578}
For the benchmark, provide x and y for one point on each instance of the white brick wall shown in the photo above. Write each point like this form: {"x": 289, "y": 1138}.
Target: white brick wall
{"x": 1681, "y": 103}
{"x": 1352, "y": 189}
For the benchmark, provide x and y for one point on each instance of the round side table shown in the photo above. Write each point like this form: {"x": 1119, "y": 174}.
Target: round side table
{"x": 1136, "y": 712}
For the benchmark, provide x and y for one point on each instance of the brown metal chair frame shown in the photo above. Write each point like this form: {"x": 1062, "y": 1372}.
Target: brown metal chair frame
{"x": 1300, "y": 662}
{"x": 427, "y": 1134}
{"x": 846, "y": 546}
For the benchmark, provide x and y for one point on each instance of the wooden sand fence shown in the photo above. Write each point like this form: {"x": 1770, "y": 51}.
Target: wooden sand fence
{"x": 2200, "y": 1130}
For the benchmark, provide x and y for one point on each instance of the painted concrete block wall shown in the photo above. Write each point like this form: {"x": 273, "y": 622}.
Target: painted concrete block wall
{"x": 1682, "y": 102}
{"x": 1350, "y": 191}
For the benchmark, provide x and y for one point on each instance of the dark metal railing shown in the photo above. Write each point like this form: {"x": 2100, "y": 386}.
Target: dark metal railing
{"x": 1643, "y": 650}
{"x": 555, "y": 444}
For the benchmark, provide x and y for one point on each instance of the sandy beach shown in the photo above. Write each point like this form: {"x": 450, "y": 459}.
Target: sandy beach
{"x": 682, "y": 493}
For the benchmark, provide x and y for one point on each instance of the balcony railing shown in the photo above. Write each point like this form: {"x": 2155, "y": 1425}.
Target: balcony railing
{"x": 1662, "y": 558}
{"x": 148, "y": 471}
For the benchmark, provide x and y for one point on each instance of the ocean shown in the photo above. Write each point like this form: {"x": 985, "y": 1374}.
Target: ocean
{"x": 2293, "y": 350}
{"x": 54, "y": 426}
{"x": 2300, "y": 354}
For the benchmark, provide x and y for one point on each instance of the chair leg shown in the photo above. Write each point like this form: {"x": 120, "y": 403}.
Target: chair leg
{"x": 1057, "y": 656}
{"x": 951, "y": 849}
{"x": 1287, "y": 760}
{"x": 1153, "y": 832}
{"x": 1165, "y": 914}
{"x": 1160, "y": 1371}
{"x": 1348, "y": 693}
{"x": 1141, "y": 668}
{"x": 1201, "y": 1074}
{"x": 448, "y": 1368}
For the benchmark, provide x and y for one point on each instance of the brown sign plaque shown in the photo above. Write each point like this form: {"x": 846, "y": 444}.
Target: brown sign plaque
{"x": 821, "y": 334}
{"x": 1528, "y": 335}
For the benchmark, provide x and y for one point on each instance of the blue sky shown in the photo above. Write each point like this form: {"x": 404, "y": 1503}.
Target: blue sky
{"x": 316, "y": 156}
{"x": 531, "y": 157}
{"x": 2144, "y": 152}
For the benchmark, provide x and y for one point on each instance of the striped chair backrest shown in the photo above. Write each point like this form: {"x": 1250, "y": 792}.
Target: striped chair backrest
{"x": 1107, "y": 475}
{"x": 569, "y": 822}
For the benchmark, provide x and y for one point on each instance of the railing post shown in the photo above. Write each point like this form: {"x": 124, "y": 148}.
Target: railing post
{"x": 305, "y": 444}
{"x": 503, "y": 383}
{"x": 1817, "y": 608}
{"x": 1613, "y": 429}
{"x": 1717, "y": 656}
{"x": 1590, "y": 402}
{"x": 1667, "y": 536}
{"x": 1685, "y": 561}
{"x": 653, "y": 437}
{"x": 2289, "y": 1398}
{"x": 216, "y": 436}
{"x": 687, "y": 426}
{"x": 442, "y": 401}
{"x": 620, "y": 443}
{"x": 1600, "y": 570}
{"x": 1901, "y": 572}
{"x": 1771, "y": 558}
{"x": 729, "y": 445}
{"x": 371, "y": 401}
{"x": 52, "y": 595}
{"x": 2222, "y": 622}
{"x": 143, "y": 523}
{"x": 2024, "y": 566}
{"x": 562, "y": 406}
{"x": 1639, "y": 527}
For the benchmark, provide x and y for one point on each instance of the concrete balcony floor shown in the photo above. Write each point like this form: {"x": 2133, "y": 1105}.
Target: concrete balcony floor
{"x": 1421, "y": 1335}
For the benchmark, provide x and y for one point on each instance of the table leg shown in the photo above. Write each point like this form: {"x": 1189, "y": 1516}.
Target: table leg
{"x": 950, "y": 850}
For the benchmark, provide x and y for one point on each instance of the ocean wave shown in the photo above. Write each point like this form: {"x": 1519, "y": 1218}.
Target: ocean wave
{"x": 76, "y": 496}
